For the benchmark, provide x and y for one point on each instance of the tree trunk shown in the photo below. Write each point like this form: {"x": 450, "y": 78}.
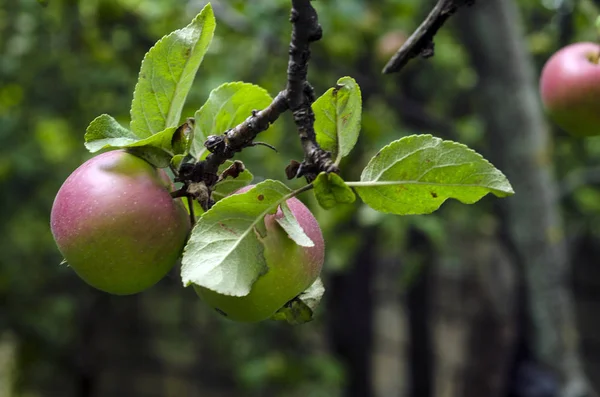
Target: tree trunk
{"x": 349, "y": 309}
{"x": 519, "y": 135}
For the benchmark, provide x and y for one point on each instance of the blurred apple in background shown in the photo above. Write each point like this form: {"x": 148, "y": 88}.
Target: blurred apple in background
{"x": 570, "y": 88}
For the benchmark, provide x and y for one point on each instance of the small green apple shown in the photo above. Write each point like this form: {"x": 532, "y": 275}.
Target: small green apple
{"x": 292, "y": 269}
{"x": 116, "y": 224}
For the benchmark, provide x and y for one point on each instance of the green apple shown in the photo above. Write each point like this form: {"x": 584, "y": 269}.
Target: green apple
{"x": 292, "y": 269}
{"x": 116, "y": 224}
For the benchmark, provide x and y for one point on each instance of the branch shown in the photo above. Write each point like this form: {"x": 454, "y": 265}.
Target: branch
{"x": 199, "y": 178}
{"x": 421, "y": 41}
{"x": 299, "y": 93}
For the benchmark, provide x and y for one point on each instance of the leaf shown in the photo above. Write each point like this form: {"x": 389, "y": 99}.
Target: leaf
{"x": 330, "y": 190}
{"x": 227, "y": 106}
{"x": 338, "y": 117}
{"x": 155, "y": 156}
{"x": 300, "y": 310}
{"x": 105, "y": 132}
{"x": 230, "y": 185}
{"x": 167, "y": 74}
{"x": 416, "y": 174}
{"x": 224, "y": 253}
{"x": 182, "y": 137}
{"x": 290, "y": 224}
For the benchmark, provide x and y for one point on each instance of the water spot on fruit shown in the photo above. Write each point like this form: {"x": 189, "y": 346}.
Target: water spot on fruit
{"x": 221, "y": 312}
{"x": 260, "y": 197}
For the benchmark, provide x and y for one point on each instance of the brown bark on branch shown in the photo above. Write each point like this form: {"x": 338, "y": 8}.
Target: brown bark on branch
{"x": 420, "y": 43}
{"x": 200, "y": 178}
{"x": 299, "y": 93}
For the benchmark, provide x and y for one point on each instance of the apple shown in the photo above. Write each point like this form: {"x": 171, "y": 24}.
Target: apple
{"x": 292, "y": 269}
{"x": 570, "y": 88}
{"x": 116, "y": 224}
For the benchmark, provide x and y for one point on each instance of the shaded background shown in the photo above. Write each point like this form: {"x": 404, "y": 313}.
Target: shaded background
{"x": 495, "y": 299}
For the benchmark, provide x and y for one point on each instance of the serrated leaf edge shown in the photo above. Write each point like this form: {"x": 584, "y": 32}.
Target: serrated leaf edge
{"x": 208, "y": 9}
{"x": 438, "y": 141}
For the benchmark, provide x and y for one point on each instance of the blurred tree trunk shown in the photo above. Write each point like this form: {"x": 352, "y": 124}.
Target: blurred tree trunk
{"x": 418, "y": 302}
{"x": 519, "y": 136}
{"x": 587, "y": 297}
{"x": 349, "y": 308}
{"x": 474, "y": 318}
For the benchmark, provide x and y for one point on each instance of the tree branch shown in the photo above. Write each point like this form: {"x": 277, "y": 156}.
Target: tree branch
{"x": 420, "y": 43}
{"x": 299, "y": 93}
{"x": 199, "y": 178}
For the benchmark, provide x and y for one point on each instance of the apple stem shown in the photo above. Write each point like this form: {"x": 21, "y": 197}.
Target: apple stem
{"x": 190, "y": 203}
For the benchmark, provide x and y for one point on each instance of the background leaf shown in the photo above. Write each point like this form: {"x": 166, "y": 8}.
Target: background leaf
{"x": 338, "y": 117}
{"x": 167, "y": 74}
{"x": 227, "y": 106}
{"x": 416, "y": 174}
{"x": 301, "y": 309}
{"x": 224, "y": 253}
{"x": 330, "y": 190}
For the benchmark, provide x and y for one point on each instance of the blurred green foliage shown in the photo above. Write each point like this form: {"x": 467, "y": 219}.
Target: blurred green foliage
{"x": 64, "y": 62}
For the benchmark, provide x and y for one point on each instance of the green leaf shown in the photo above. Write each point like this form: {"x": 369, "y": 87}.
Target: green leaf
{"x": 330, "y": 190}
{"x": 337, "y": 118}
{"x": 105, "y": 132}
{"x": 167, "y": 74}
{"x": 155, "y": 156}
{"x": 416, "y": 174}
{"x": 224, "y": 252}
{"x": 290, "y": 224}
{"x": 182, "y": 137}
{"x": 301, "y": 309}
{"x": 227, "y": 106}
{"x": 229, "y": 184}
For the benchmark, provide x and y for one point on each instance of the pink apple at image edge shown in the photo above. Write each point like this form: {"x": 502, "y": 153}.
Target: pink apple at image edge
{"x": 570, "y": 88}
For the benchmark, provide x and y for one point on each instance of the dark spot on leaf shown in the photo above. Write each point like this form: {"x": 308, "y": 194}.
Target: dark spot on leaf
{"x": 230, "y": 230}
{"x": 188, "y": 52}
{"x": 221, "y": 312}
{"x": 260, "y": 197}
{"x": 378, "y": 153}
{"x": 345, "y": 119}
{"x": 434, "y": 194}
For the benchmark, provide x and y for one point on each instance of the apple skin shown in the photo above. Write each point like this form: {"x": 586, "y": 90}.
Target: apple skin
{"x": 292, "y": 269}
{"x": 570, "y": 88}
{"x": 116, "y": 224}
